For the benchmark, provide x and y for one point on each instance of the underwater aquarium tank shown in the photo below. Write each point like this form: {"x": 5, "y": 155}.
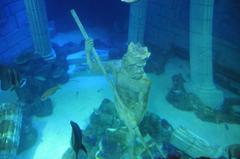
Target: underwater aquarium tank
{"x": 119, "y": 79}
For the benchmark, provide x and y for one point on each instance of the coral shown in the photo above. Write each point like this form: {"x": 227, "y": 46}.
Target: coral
{"x": 10, "y": 125}
{"x": 159, "y": 129}
{"x": 106, "y": 136}
{"x": 184, "y": 100}
{"x": 43, "y": 108}
{"x": 28, "y": 138}
{"x": 177, "y": 95}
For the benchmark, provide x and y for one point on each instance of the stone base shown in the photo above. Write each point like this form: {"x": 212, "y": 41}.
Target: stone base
{"x": 210, "y": 96}
{"x": 28, "y": 139}
{"x": 50, "y": 56}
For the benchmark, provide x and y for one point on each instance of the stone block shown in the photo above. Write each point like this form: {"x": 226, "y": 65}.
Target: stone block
{"x": 26, "y": 44}
{"x": 3, "y": 45}
{"x": 9, "y": 26}
{"x": 5, "y": 60}
{"x": 153, "y": 9}
{"x": 181, "y": 40}
{"x": 4, "y": 12}
{"x": 15, "y": 37}
{"x": 16, "y": 6}
{"x": 161, "y": 38}
{"x": 163, "y": 3}
{"x": 8, "y": 56}
{"x": 4, "y": 15}
{"x": 184, "y": 13}
{"x": 182, "y": 23}
{"x": 4, "y": 2}
{"x": 21, "y": 19}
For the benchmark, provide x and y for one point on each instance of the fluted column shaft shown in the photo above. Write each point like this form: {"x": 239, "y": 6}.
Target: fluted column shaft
{"x": 201, "y": 17}
{"x": 37, "y": 16}
{"x": 137, "y": 20}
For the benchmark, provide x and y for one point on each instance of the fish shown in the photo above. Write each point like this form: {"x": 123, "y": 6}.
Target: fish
{"x": 76, "y": 139}
{"x": 40, "y": 78}
{"x": 174, "y": 155}
{"x": 129, "y": 1}
{"x": 229, "y": 154}
{"x": 49, "y": 92}
{"x": 111, "y": 129}
{"x": 226, "y": 126}
{"x": 234, "y": 151}
{"x": 165, "y": 123}
{"x": 100, "y": 90}
{"x": 10, "y": 78}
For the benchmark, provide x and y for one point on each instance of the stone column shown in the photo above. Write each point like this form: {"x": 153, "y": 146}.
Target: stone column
{"x": 201, "y": 16}
{"x": 137, "y": 20}
{"x": 37, "y": 16}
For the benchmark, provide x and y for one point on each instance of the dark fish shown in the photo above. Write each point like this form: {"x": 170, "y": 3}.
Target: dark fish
{"x": 5, "y": 78}
{"x": 165, "y": 123}
{"x": 226, "y": 126}
{"x": 76, "y": 140}
{"x": 234, "y": 151}
{"x": 10, "y": 78}
{"x": 173, "y": 154}
{"x": 229, "y": 154}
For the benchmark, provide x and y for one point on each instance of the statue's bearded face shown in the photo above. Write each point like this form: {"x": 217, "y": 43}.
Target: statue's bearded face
{"x": 136, "y": 69}
{"x": 134, "y": 60}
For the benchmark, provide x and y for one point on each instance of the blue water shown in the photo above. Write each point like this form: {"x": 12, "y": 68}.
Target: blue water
{"x": 64, "y": 89}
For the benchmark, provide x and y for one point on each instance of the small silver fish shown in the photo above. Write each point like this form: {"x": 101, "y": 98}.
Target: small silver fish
{"x": 40, "y": 78}
{"x": 129, "y": 1}
{"x": 111, "y": 129}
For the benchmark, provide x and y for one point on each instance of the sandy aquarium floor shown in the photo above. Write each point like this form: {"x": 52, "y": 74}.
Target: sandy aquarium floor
{"x": 74, "y": 101}
{"x": 81, "y": 95}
